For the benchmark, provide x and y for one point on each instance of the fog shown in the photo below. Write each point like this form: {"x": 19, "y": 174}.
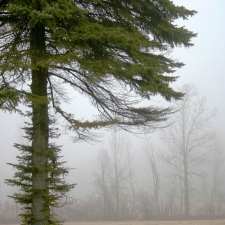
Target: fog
{"x": 205, "y": 66}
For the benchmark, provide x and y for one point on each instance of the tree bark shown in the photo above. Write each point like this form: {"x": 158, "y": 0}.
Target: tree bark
{"x": 40, "y": 133}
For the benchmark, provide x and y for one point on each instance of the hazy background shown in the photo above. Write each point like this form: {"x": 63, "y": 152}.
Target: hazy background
{"x": 205, "y": 66}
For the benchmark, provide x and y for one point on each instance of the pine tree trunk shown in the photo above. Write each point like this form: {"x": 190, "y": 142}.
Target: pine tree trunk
{"x": 40, "y": 120}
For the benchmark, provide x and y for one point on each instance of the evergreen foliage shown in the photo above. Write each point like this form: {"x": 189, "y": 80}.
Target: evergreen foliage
{"x": 56, "y": 187}
{"x": 114, "y": 52}
{"x": 97, "y": 47}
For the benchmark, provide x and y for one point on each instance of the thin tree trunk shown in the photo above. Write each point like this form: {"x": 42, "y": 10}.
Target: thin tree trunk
{"x": 185, "y": 164}
{"x": 181, "y": 196}
{"x": 212, "y": 199}
{"x": 186, "y": 188}
{"x": 40, "y": 121}
{"x": 133, "y": 199}
{"x": 130, "y": 173}
{"x": 117, "y": 200}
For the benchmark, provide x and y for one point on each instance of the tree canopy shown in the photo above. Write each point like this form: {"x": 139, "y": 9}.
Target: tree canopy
{"x": 98, "y": 48}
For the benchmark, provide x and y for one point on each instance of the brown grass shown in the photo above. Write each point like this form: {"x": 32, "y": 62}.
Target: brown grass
{"x": 191, "y": 222}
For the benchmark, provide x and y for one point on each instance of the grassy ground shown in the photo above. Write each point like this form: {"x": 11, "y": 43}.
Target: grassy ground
{"x": 191, "y": 222}
{"x": 194, "y": 222}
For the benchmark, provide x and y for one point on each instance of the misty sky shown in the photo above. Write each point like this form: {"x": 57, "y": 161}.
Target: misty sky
{"x": 205, "y": 67}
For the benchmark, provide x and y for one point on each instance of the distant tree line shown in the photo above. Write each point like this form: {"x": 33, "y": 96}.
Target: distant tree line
{"x": 182, "y": 179}
{"x": 9, "y": 212}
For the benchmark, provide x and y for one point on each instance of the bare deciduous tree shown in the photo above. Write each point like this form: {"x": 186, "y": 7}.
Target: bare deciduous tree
{"x": 111, "y": 176}
{"x": 129, "y": 157}
{"x": 149, "y": 150}
{"x": 187, "y": 137}
{"x": 212, "y": 184}
{"x": 217, "y": 176}
{"x": 118, "y": 169}
{"x": 101, "y": 181}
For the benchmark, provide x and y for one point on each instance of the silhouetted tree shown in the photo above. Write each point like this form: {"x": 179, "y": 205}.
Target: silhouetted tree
{"x": 213, "y": 182}
{"x": 131, "y": 175}
{"x": 111, "y": 175}
{"x": 102, "y": 183}
{"x": 217, "y": 163}
{"x": 149, "y": 150}
{"x": 188, "y": 133}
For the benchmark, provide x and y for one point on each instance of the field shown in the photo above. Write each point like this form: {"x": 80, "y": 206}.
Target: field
{"x": 191, "y": 222}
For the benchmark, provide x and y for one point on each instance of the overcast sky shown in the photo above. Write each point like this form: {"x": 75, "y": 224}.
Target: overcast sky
{"x": 205, "y": 62}
{"x": 205, "y": 67}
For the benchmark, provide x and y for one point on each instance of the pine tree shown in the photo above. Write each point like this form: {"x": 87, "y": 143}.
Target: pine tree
{"x": 55, "y": 187}
{"x": 114, "y": 52}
